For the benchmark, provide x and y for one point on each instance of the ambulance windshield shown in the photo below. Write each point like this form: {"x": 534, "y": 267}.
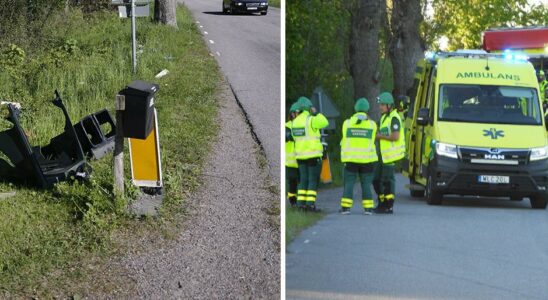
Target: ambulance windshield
{"x": 489, "y": 104}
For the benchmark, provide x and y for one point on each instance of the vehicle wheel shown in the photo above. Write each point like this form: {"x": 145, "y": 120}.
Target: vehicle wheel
{"x": 224, "y": 9}
{"x": 415, "y": 193}
{"x": 432, "y": 197}
{"x": 539, "y": 201}
{"x": 263, "y": 13}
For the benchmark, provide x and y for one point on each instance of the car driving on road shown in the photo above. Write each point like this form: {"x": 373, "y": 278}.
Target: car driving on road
{"x": 245, "y": 6}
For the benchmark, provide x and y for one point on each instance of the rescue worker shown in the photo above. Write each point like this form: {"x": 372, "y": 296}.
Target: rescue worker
{"x": 402, "y": 106}
{"x": 291, "y": 166}
{"x": 305, "y": 130}
{"x": 543, "y": 85}
{"x": 359, "y": 155}
{"x": 391, "y": 149}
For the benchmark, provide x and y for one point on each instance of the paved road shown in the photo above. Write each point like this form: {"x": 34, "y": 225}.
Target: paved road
{"x": 469, "y": 248}
{"x": 247, "y": 48}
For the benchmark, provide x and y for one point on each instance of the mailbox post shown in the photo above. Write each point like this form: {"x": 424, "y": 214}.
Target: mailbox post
{"x": 137, "y": 120}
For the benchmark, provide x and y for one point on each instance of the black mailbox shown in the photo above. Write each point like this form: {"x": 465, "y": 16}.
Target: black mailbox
{"x": 139, "y": 108}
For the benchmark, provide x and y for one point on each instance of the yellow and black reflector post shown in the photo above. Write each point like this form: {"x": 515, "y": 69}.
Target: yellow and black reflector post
{"x": 146, "y": 165}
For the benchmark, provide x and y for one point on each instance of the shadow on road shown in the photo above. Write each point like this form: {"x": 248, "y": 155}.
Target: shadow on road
{"x": 481, "y": 202}
{"x": 220, "y": 13}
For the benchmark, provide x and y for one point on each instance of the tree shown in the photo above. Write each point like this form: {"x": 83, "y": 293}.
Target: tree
{"x": 165, "y": 12}
{"x": 462, "y": 22}
{"x": 406, "y": 47}
{"x": 366, "y": 24}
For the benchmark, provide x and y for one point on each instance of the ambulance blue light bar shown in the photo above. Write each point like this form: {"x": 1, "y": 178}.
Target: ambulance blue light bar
{"x": 514, "y": 56}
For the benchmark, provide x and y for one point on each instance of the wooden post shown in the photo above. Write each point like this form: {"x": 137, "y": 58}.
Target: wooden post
{"x": 119, "y": 145}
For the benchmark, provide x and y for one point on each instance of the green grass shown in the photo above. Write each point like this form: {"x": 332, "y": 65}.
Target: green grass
{"x": 275, "y": 3}
{"x": 297, "y": 220}
{"x": 45, "y": 235}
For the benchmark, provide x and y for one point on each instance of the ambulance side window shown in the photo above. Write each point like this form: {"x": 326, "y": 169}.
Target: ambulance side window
{"x": 412, "y": 94}
{"x": 431, "y": 95}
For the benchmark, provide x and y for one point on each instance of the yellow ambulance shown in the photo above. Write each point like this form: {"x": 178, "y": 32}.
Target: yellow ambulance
{"x": 475, "y": 127}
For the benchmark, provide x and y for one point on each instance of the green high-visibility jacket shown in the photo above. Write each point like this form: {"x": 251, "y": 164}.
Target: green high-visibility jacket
{"x": 290, "y": 157}
{"x": 358, "y": 140}
{"x": 391, "y": 151}
{"x": 305, "y": 130}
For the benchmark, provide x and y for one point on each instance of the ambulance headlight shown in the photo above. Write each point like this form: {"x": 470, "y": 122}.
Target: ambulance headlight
{"x": 539, "y": 153}
{"x": 446, "y": 150}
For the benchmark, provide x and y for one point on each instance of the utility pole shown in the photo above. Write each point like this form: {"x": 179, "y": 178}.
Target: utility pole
{"x": 119, "y": 145}
{"x": 134, "y": 36}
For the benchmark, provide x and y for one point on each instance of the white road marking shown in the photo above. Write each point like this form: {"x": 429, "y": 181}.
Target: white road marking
{"x": 218, "y": 54}
{"x": 211, "y": 41}
{"x": 197, "y": 22}
{"x": 205, "y": 32}
{"x": 306, "y": 241}
{"x": 201, "y": 26}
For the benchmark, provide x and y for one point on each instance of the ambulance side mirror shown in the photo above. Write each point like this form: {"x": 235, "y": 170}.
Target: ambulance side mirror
{"x": 546, "y": 122}
{"x": 423, "y": 116}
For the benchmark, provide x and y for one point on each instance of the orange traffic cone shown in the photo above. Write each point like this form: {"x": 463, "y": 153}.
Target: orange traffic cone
{"x": 325, "y": 175}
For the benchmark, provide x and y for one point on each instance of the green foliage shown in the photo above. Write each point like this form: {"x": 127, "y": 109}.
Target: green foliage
{"x": 462, "y": 22}
{"x": 87, "y": 57}
{"x": 316, "y": 47}
{"x": 297, "y": 220}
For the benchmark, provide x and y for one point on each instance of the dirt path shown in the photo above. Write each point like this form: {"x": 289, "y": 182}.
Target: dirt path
{"x": 228, "y": 248}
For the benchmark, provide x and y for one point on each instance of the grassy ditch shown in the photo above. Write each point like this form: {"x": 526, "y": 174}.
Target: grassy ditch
{"x": 45, "y": 233}
{"x": 297, "y": 220}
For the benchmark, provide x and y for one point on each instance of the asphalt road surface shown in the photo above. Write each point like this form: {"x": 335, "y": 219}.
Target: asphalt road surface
{"x": 468, "y": 248}
{"x": 247, "y": 48}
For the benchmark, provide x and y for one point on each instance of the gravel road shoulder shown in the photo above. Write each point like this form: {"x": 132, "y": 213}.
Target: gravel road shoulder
{"x": 230, "y": 244}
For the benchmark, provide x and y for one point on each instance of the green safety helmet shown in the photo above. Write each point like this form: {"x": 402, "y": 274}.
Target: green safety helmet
{"x": 361, "y": 105}
{"x": 304, "y": 104}
{"x": 385, "y": 98}
{"x": 541, "y": 73}
{"x": 294, "y": 107}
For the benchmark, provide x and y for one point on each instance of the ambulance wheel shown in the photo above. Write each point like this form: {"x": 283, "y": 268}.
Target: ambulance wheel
{"x": 539, "y": 201}
{"x": 433, "y": 197}
{"x": 415, "y": 193}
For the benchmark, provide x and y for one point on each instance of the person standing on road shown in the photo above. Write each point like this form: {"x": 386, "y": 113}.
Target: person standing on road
{"x": 305, "y": 130}
{"x": 392, "y": 149}
{"x": 359, "y": 155}
{"x": 291, "y": 166}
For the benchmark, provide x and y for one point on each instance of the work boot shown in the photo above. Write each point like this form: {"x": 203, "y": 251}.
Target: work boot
{"x": 368, "y": 211}
{"x": 292, "y": 201}
{"x": 313, "y": 208}
{"x": 344, "y": 211}
{"x": 384, "y": 210}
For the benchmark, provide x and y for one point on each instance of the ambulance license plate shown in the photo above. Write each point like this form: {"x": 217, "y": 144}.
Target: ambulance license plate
{"x": 494, "y": 179}
{"x": 251, "y": 8}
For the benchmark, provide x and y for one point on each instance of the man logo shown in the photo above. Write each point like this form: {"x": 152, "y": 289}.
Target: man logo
{"x": 493, "y": 133}
{"x": 494, "y": 156}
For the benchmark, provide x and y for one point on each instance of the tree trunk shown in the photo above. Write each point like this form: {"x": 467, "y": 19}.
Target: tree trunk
{"x": 364, "y": 50}
{"x": 406, "y": 46}
{"x": 165, "y": 11}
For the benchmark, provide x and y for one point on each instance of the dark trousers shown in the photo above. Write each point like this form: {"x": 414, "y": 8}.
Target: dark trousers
{"x": 351, "y": 172}
{"x": 384, "y": 183}
{"x": 309, "y": 177}
{"x": 292, "y": 180}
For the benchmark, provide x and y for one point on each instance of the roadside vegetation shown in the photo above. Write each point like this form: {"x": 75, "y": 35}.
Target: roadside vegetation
{"x": 85, "y": 54}
{"x": 275, "y": 3}
{"x": 297, "y": 220}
